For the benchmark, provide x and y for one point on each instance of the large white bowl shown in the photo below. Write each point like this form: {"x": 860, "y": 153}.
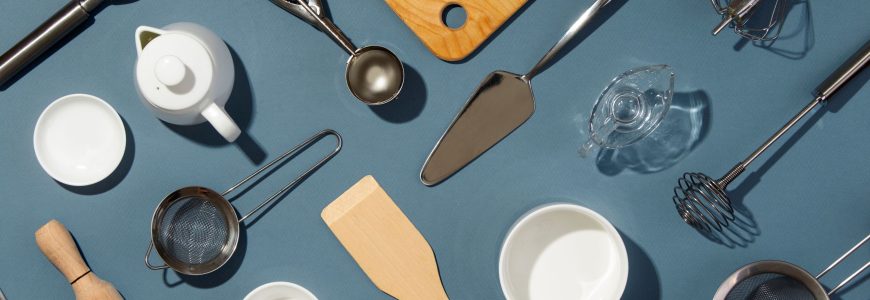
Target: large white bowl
{"x": 563, "y": 251}
{"x": 79, "y": 139}
{"x": 280, "y": 290}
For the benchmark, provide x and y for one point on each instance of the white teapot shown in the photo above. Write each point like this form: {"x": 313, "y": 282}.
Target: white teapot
{"x": 185, "y": 74}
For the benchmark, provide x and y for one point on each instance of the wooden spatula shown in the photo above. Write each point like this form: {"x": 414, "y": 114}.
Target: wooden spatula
{"x": 60, "y": 249}
{"x": 483, "y": 18}
{"x": 385, "y": 244}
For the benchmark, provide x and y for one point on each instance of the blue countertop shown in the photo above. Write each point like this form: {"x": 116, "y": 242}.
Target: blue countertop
{"x": 808, "y": 197}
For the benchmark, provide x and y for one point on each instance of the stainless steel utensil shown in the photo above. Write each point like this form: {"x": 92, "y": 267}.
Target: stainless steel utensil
{"x": 195, "y": 230}
{"x": 739, "y": 12}
{"x": 502, "y": 102}
{"x": 46, "y": 35}
{"x": 771, "y": 280}
{"x": 702, "y": 202}
{"x": 374, "y": 74}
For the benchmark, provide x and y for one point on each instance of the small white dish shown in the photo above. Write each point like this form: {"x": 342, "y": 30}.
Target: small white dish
{"x": 79, "y": 140}
{"x": 563, "y": 251}
{"x": 280, "y": 290}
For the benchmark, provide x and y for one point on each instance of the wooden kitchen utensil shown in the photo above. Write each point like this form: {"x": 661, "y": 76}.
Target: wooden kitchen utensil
{"x": 385, "y": 244}
{"x": 484, "y": 17}
{"x": 60, "y": 249}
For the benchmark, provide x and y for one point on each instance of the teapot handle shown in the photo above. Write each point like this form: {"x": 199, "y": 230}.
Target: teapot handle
{"x": 221, "y": 121}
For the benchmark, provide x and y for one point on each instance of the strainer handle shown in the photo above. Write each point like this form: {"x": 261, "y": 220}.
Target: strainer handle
{"x": 290, "y": 153}
{"x": 148, "y": 264}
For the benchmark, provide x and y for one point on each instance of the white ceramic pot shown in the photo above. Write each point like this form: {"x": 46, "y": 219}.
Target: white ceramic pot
{"x": 185, "y": 74}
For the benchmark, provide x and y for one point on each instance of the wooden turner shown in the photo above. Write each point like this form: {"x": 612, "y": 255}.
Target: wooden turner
{"x": 384, "y": 243}
{"x": 60, "y": 249}
{"x": 483, "y": 18}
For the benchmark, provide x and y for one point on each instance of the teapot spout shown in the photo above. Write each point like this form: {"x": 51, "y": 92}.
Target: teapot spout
{"x": 145, "y": 35}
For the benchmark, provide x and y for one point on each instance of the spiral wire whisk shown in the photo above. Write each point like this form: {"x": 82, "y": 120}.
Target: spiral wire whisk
{"x": 702, "y": 201}
{"x": 738, "y": 13}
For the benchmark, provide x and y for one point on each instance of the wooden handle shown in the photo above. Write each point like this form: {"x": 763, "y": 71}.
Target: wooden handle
{"x": 58, "y": 246}
{"x": 60, "y": 249}
{"x": 384, "y": 243}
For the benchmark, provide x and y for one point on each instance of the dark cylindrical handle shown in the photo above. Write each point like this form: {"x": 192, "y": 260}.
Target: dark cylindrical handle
{"x": 41, "y": 39}
{"x": 844, "y": 73}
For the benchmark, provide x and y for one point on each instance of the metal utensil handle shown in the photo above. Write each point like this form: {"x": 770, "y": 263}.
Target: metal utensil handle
{"x": 148, "y": 254}
{"x": 296, "y": 9}
{"x": 845, "y": 72}
{"x": 289, "y": 153}
{"x": 327, "y": 26}
{"x": 833, "y": 83}
{"x": 575, "y": 28}
{"x": 43, "y": 37}
{"x": 839, "y": 260}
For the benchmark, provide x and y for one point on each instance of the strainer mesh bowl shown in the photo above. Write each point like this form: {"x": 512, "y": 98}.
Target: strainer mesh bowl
{"x": 769, "y": 286}
{"x": 193, "y": 231}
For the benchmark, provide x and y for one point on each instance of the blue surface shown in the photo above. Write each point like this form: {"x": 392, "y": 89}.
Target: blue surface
{"x": 808, "y": 196}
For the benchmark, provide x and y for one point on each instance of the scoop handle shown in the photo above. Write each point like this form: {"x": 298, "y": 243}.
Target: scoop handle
{"x": 844, "y": 73}
{"x": 58, "y": 246}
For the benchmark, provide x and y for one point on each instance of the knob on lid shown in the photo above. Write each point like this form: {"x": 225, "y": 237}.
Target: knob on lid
{"x": 174, "y": 71}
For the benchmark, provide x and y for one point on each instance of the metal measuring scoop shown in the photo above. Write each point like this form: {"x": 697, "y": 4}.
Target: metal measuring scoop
{"x": 374, "y": 74}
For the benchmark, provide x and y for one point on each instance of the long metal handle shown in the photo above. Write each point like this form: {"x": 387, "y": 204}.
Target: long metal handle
{"x": 839, "y": 260}
{"x": 43, "y": 37}
{"x": 327, "y": 26}
{"x": 294, "y": 182}
{"x": 828, "y": 87}
{"x": 844, "y": 72}
{"x": 575, "y": 28}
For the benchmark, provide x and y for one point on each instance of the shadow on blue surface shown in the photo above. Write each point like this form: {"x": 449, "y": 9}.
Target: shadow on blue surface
{"x": 746, "y": 229}
{"x": 803, "y": 30}
{"x": 741, "y": 231}
{"x": 410, "y": 102}
{"x": 117, "y": 176}
{"x": 240, "y": 106}
{"x": 684, "y": 127}
{"x": 57, "y": 46}
{"x": 833, "y": 105}
{"x": 643, "y": 279}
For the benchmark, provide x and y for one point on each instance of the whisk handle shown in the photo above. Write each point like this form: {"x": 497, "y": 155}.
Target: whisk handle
{"x": 844, "y": 73}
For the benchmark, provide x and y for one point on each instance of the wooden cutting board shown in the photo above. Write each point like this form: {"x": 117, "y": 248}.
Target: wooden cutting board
{"x": 483, "y": 18}
{"x": 384, "y": 243}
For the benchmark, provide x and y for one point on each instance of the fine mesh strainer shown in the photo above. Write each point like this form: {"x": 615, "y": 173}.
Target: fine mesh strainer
{"x": 195, "y": 230}
{"x": 775, "y": 280}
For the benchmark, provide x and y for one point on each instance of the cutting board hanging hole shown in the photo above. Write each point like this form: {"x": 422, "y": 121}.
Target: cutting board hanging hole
{"x": 453, "y": 29}
{"x": 454, "y": 16}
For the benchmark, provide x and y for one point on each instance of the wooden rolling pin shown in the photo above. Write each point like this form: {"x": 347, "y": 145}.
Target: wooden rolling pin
{"x": 60, "y": 249}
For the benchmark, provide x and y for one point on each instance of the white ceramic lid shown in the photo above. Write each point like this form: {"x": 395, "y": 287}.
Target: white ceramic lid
{"x": 563, "y": 251}
{"x": 79, "y": 140}
{"x": 174, "y": 71}
{"x": 280, "y": 290}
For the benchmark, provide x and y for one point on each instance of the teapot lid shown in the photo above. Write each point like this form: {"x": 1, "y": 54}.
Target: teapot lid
{"x": 174, "y": 71}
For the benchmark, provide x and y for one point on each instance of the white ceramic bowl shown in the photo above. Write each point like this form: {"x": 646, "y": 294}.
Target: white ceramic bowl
{"x": 563, "y": 251}
{"x": 79, "y": 139}
{"x": 280, "y": 290}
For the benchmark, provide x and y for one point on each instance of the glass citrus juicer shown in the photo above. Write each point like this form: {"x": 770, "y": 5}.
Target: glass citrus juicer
{"x": 630, "y": 108}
